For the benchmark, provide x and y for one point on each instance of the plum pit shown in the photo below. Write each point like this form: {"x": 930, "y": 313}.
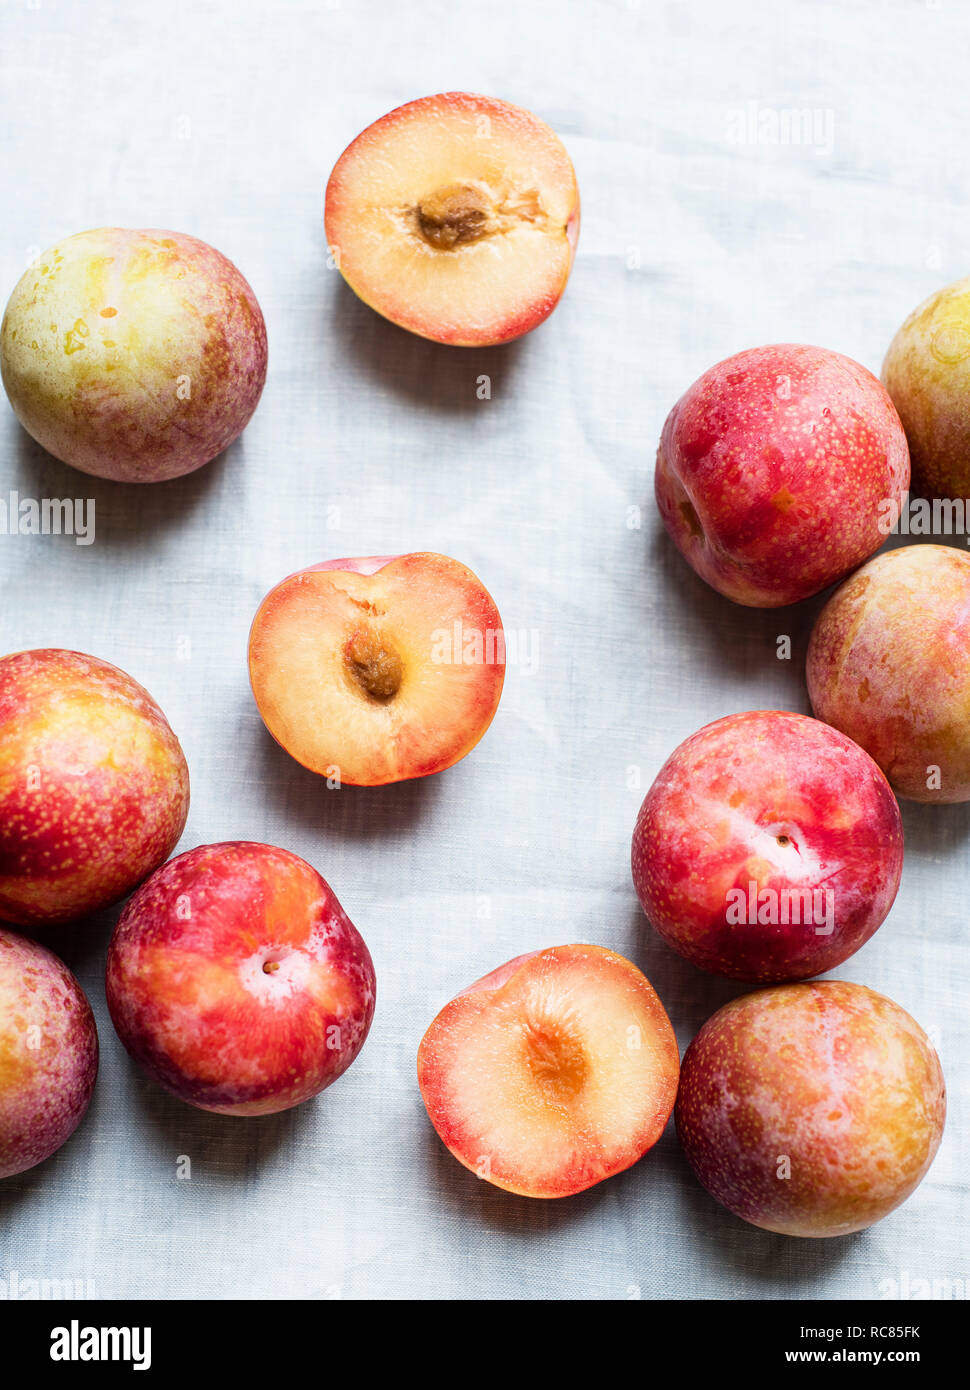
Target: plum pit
{"x": 556, "y": 1060}
{"x": 373, "y": 665}
{"x": 453, "y": 215}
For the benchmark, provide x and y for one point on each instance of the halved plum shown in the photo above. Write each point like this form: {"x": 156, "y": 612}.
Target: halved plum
{"x": 378, "y": 669}
{"x": 552, "y": 1073}
{"x": 456, "y": 216}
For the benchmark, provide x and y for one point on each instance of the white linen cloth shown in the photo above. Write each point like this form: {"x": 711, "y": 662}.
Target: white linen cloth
{"x": 706, "y": 229}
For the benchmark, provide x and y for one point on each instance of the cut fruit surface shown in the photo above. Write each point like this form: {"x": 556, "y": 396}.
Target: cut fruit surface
{"x": 456, "y": 216}
{"x": 552, "y": 1073}
{"x": 379, "y": 669}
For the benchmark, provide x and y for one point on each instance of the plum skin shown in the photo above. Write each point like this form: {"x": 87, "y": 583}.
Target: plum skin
{"x": 136, "y": 356}
{"x": 48, "y": 1053}
{"x": 811, "y": 1109}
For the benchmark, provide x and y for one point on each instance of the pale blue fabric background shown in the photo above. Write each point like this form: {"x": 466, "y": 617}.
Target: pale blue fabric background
{"x": 223, "y": 120}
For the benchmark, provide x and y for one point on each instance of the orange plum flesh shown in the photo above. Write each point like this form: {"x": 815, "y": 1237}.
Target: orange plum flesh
{"x": 456, "y": 217}
{"x": 378, "y": 669}
{"x": 552, "y": 1073}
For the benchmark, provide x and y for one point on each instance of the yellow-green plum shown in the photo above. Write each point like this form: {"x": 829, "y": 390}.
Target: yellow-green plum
{"x": 48, "y": 1053}
{"x": 927, "y": 373}
{"x": 94, "y": 788}
{"x": 889, "y": 665}
{"x": 133, "y": 355}
{"x": 811, "y": 1109}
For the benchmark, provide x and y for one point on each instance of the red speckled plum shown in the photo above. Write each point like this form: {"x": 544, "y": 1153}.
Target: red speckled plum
{"x": 238, "y": 982}
{"x": 48, "y": 1054}
{"x": 769, "y": 847}
{"x": 94, "y": 789}
{"x": 775, "y": 470}
{"x": 811, "y": 1109}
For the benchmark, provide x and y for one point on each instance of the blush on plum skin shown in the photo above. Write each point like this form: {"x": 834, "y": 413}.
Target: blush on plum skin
{"x": 811, "y": 1109}
{"x": 785, "y": 804}
{"x": 927, "y": 374}
{"x": 773, "y": 468}
{"x": 48, "y": 1053}
{"x": 237, "y": 981}
{"x": 94, "y": 787}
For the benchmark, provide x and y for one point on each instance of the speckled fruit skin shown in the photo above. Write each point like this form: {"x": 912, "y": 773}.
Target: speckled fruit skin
{"x": 133, "y": 355}
{"x": 772, "y": 468}
{"x": 94, "y": 788}
{"x": 193, "y": 1002}
{"x": 927, "y": 374}
{"x": 830, "y": 1076}
{"x": 786, "y": 803}
{"x": 889, "y": 665}
{"x": 48, "y": 1054}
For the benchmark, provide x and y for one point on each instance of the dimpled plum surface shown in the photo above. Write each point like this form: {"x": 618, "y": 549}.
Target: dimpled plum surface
{"x": 133, "y": 355}
{"x": 238, "y": 982}
{"x": 48, "y": 1053}
{"x": 772, "y": 468}
{"x": 770, "y": 806}
{"x": 811, "y": 1109}
{"x": 889, "y": 665}
{"x": 94, "y": 787}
